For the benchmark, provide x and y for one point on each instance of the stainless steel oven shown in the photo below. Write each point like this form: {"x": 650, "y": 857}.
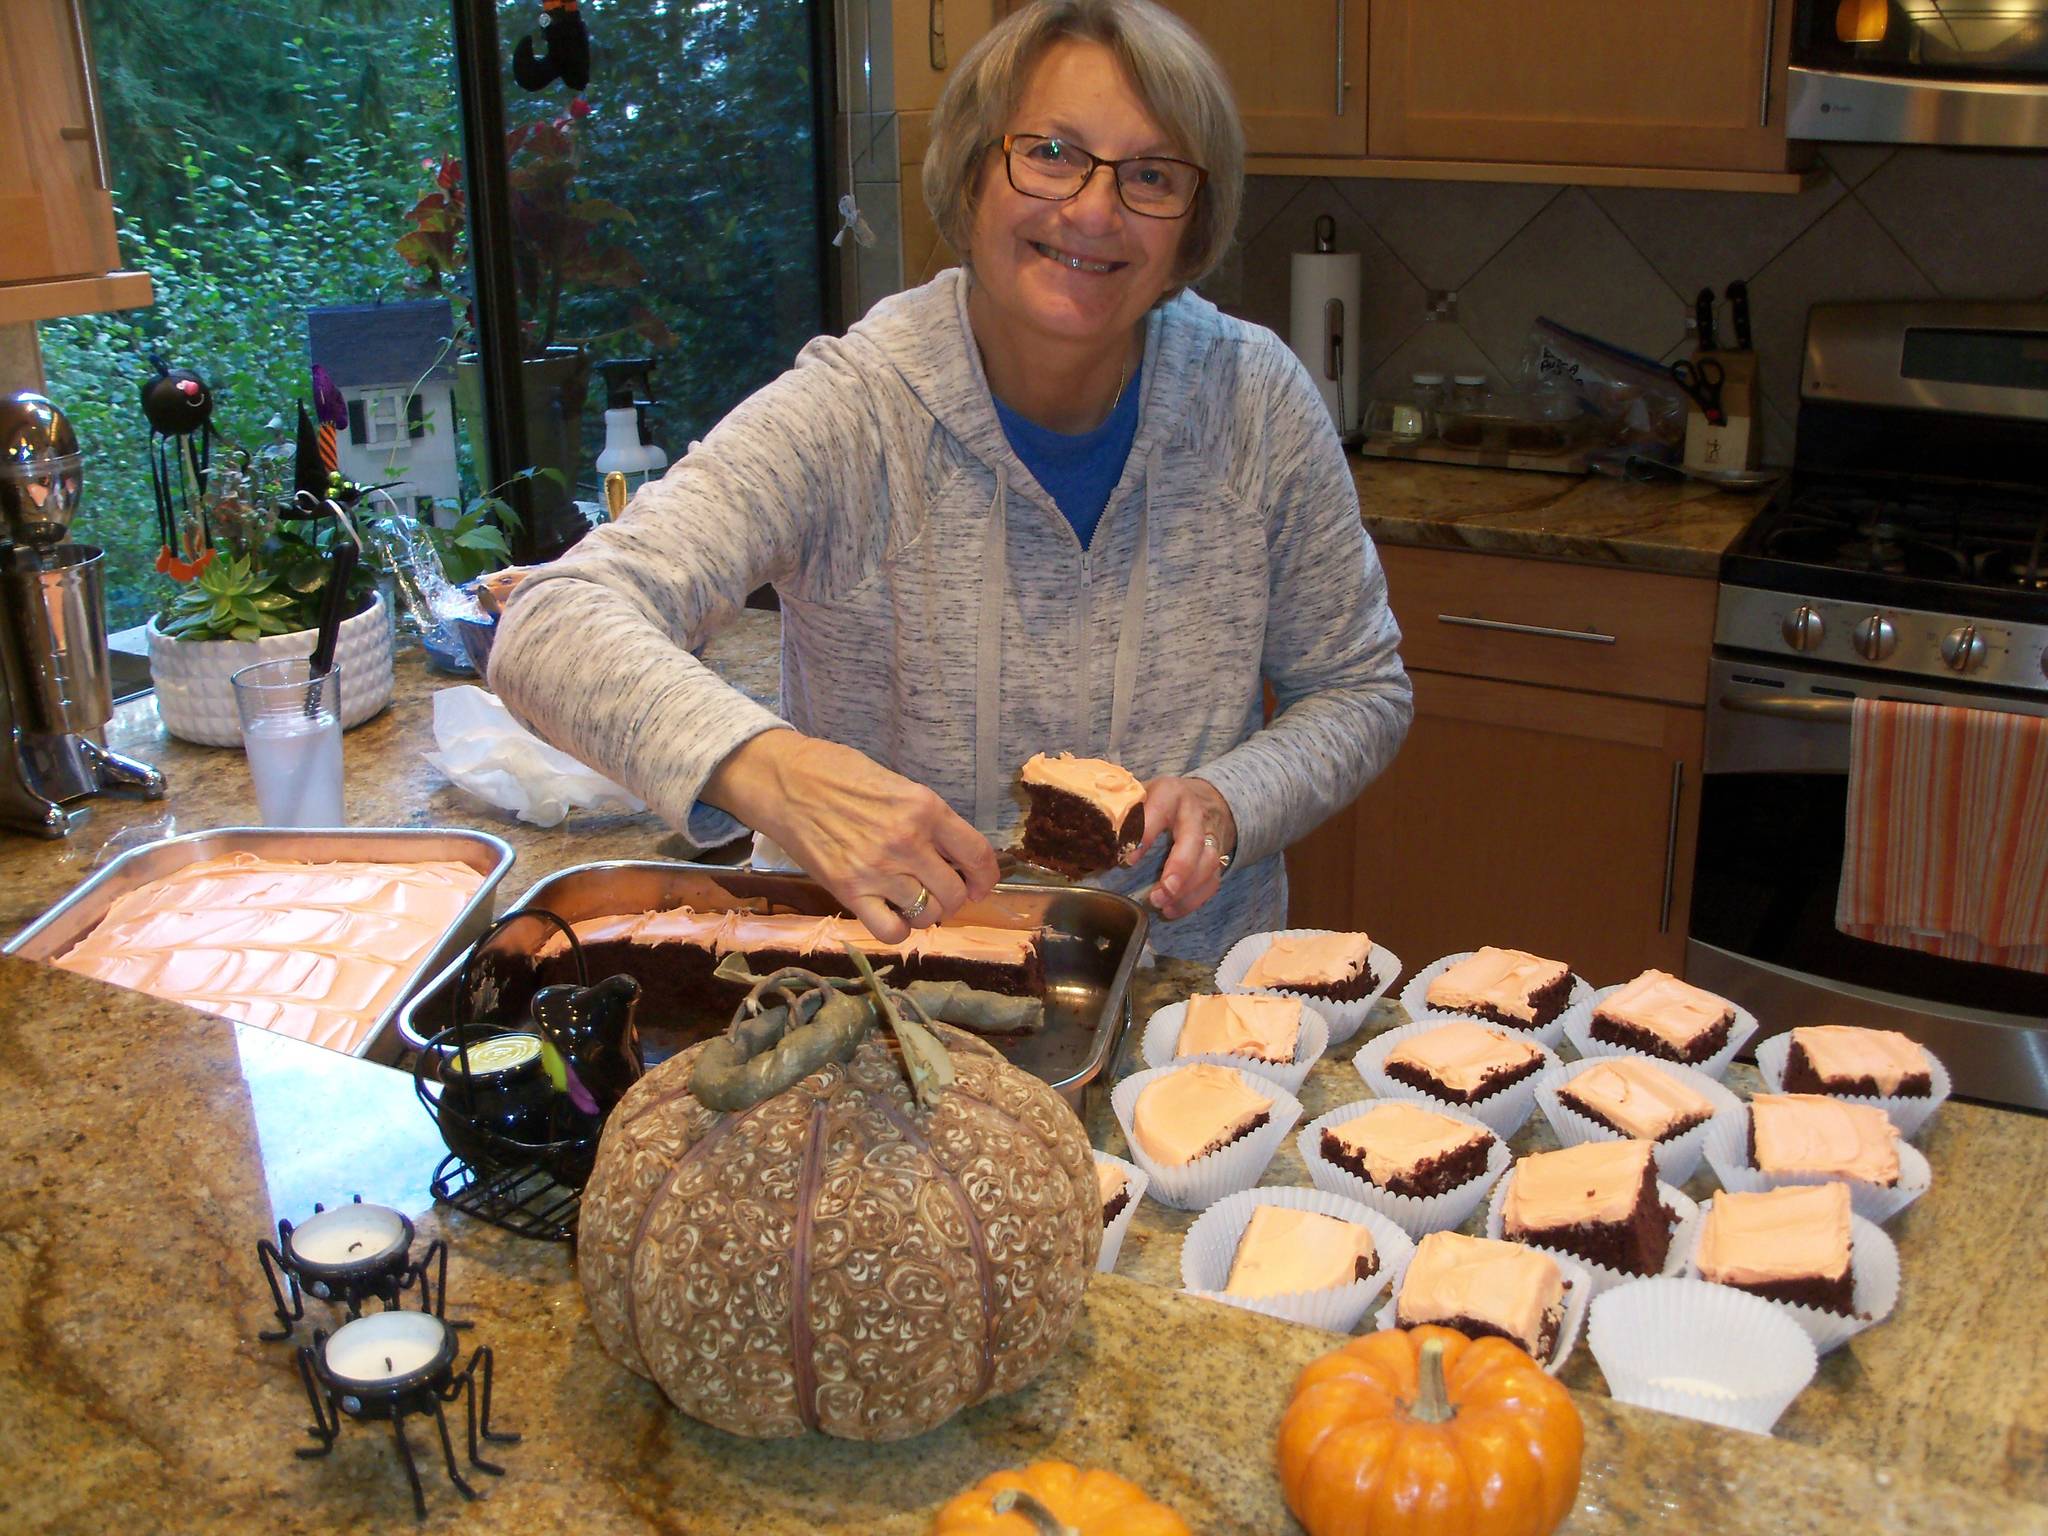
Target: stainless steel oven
{"x": 1920, "y": 72}
{"x": 1905, "y": 558}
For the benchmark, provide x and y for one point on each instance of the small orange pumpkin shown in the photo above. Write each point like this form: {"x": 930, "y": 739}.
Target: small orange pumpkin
{"x": 1422, "y": 1429}
{"x": 1057, "y": 1498}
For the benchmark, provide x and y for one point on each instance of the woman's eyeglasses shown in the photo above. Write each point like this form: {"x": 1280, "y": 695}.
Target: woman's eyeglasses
{"x": 1151, "y": 185}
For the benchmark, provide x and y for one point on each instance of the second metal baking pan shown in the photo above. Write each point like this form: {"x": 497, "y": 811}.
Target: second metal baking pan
{"x": 72, "y": 918}
{"x": 1094, "y": 941}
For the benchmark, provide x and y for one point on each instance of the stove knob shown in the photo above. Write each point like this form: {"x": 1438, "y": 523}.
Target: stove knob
{"x": 1803, "y": 628}
{"x": 1875, "y": 638}
{"x": 1963, "y": 649}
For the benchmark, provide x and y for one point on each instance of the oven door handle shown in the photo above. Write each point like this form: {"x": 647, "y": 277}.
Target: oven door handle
{"x": 1812, "y": 711}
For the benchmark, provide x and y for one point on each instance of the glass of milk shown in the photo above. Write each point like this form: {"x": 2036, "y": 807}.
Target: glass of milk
{"x": 291, "y": 729}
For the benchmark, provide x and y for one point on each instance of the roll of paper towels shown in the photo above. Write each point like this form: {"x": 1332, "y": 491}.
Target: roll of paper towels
{"x": 1323, "y": 329}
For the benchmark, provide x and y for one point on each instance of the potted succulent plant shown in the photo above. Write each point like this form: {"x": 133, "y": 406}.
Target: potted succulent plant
{"x": 560, "y": 245}
{"x": 253, "y": 594}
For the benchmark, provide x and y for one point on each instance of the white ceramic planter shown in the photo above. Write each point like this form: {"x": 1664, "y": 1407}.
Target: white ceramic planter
{"x": 198, "y": 703}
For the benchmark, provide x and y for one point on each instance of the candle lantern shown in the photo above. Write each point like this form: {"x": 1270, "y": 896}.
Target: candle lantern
{"x": 387, "y": 1367}
{"x": 346, "y": 1257}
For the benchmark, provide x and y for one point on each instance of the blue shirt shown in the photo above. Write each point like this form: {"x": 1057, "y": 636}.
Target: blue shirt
{"x": 1079, "y": 470}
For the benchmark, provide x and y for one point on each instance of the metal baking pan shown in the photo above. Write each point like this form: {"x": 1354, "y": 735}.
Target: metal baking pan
{"x": 80, "y": 912}
{"x": 1095, "y": 941}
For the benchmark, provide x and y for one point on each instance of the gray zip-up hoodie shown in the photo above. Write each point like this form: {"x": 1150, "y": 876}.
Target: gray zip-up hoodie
{"x": 939, "y": 614}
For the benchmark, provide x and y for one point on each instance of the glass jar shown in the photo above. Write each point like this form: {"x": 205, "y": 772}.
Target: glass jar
{"x": 1427, "y": 390}
{"x": 1468, "y": 392}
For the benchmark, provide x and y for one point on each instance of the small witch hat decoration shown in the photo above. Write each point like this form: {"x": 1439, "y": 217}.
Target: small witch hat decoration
{"x": 309, "y": 474}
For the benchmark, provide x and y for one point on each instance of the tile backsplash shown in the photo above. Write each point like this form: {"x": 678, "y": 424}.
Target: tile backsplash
{"x": 1624, "y": 263}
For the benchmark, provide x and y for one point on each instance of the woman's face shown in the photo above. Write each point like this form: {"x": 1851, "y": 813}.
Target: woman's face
{"x": 1024, "y": 248}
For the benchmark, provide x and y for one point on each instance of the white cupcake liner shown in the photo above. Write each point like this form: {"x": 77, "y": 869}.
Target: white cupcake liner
{"x": 1578, "y": 1295}
{"x": 1604, "y": 1277}
{"x": 1344, "y": 1018}
{"x": 1908, "y": 1114}
{"x": 1417, "y": 1217}
{"x": 1728, "y": 1156}
{"x": 1415, "y": 999}
{"x": 1162, "y": 1035}
{"x": 1503, "y": 1112}
{"x": 1677, "y": 1159}
{"x": 1211, "y": 1243}
{"x": 1578, "y": 1025}
{"x": 1198, "y": 1185}
{"x": 1873, "y": 1277}
{"x": 1701, "y": 1351}
{"x": 1135, "y": 1180}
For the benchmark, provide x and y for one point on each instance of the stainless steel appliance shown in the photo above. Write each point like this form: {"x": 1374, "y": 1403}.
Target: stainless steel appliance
{"x": 53, "y": 637}
{"x": 1906, "y": 557}
{"x": 1920, "y": 72}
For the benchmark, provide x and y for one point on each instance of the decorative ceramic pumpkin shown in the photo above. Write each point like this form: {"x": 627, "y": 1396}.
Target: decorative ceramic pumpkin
{"x": 841, "y": 1255}
{"x": 1421, "y": 1429}
{"x": 1056, "y": 1498}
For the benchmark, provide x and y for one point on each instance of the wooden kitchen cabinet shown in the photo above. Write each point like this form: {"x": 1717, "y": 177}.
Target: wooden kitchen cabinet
{"x": 54, "y": 202}
{"x": 1677, "y": 83}
{"x": 1547, "y": 796}
{"x": 1297, "y": 68}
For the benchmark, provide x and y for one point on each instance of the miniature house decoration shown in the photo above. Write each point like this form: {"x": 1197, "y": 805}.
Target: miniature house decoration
{"x": 395, "y": 367}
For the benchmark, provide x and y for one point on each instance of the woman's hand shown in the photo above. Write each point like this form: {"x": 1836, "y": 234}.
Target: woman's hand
{"x": 871, "y": 837}
{"x": 1194, "y": 814}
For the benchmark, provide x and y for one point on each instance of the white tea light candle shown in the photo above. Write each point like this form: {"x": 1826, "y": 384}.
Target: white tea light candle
{"x": 349, "y": 1236}
{"x": 381, "y": 1349}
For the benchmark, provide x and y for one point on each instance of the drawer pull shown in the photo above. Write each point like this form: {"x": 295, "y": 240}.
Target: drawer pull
{"x": 1591, "y": 636}
{"x": 1671, "y": 846}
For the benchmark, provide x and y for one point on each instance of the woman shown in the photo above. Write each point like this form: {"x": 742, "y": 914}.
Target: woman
{"x": 1051, "y": 500}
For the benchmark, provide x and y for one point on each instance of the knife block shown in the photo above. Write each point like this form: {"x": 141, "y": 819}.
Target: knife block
{"x": 1734, "y": 444}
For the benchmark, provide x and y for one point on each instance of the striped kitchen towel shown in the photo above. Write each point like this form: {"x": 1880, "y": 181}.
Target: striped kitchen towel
{"x": 1945, "y": 846}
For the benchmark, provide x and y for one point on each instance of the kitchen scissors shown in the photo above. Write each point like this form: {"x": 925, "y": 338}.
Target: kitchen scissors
{"x": 1703, "y": 380}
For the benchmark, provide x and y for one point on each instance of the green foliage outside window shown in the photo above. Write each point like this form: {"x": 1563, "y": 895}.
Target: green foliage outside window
{"x": 265, "y": 155}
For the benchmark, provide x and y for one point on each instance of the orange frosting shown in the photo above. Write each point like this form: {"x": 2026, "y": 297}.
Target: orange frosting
{"x": 1461, "y": 1054}
{"x": 724, "y": 932}
{"x": 1396, "y": 1137}
{"x": 1181, "y": 1115}
{"x": 1812, "y": 1133}
{"x": 1109, "y": 1179}
{"x": 1636, "y": 1096}
{"x": 1796, "y": 1232}
{"x": 1501, "y": 1283}
{"x": 1285, "y": 1250}
{"x": 1502, "y": 979}
{"x": 1265, "y": 1028}
{"x": 316, "y": 951}
{"x": 1310, "y": 960}
{"x": 1594, "y": 1181}
{"x": 1668, "y": 1008}
{"x": 1109, "y": 787}
{"x": 1844, "y": 1050}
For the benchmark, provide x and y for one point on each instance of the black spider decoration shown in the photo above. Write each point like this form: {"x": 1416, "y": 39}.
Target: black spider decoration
{"x": 568, "y": 49}
{"x": 178, "y": 405}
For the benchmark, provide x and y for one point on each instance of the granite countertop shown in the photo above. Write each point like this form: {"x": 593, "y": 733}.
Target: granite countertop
{"x": 147, "y": 1147}
{"x": 1677, "y": 527}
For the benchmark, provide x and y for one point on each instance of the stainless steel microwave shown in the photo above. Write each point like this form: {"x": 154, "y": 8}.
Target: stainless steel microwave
{"x": 1921, "y": 72}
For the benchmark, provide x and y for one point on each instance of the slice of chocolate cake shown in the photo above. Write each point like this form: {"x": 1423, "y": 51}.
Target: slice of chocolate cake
{"x": 1335, "y": 966}
{"x": 1507, "y": 986}
{"x": 1408, "y": 1150}
{"x": 1085, "y": 814}
{"x": 1114, "y": 1188}
{"x": 1192, "y": 1111}
{"x": 1664, "y": 1017}
{"x": 1787, "y": 1244}
{"x": 1859, "y": 1063}
{"x": 1635, "y": 1098}
{"x": 1461, "y": 1062}
{"x": 1262, "y": 1029}
{"x": 1284, "y": 1251}
{"x": 1596, "y": 1201}
{"x": 1793, "y": 1133}
{"x": 1482, "y": 1287}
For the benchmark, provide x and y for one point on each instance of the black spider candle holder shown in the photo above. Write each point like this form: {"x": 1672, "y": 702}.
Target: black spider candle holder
{"x": 347, "y": 1256}
{"x": 391, "y": 1366}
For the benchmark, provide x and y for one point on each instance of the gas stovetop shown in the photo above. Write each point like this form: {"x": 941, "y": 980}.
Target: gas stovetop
{"x": 1973, "y": 551}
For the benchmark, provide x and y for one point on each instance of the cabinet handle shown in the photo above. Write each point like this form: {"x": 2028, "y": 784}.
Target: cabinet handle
{"x": 935, "y": 34}
{"x": 90, "y": 132}
{"x": 1340, "y": 58}
{"x": 1763, "y": 109}
{"x": 1671, "y": 847}
{"x": 1590, "y": 636}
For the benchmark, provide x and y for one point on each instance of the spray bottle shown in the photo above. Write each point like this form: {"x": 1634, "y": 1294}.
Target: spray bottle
{"x": 628, "y": 391}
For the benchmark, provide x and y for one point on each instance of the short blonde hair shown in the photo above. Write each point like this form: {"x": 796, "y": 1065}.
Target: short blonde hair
{"x": 1174, "y": 74}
